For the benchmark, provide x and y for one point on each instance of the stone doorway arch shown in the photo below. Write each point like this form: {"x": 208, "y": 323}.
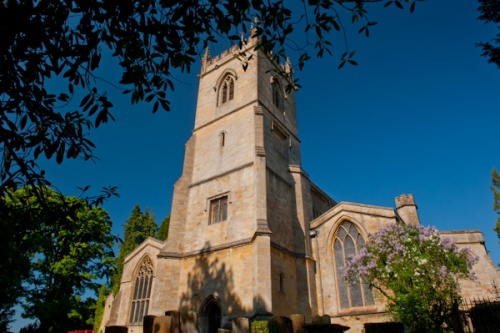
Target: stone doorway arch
{"x": 210, "y": 315}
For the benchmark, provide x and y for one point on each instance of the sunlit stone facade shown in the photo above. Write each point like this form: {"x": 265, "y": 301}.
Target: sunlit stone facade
{"x": 250, "y": 234}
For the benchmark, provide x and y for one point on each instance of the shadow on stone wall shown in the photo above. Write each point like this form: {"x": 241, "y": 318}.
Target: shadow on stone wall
{"x": 211, "y": 278}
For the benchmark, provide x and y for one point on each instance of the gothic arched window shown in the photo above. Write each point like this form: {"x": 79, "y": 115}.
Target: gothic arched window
{"x": 227, "y": 89}
{"x": 348, "y": 242}
{"x": 142, "y": 292}
{"x": 277, "y": 93}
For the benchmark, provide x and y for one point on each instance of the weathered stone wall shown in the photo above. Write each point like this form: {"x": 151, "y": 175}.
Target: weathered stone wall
{"x": 295, "y": 292}
{"x": 238, "y": 277}
{"x": 227, "y": 275}
{"x": 407, "y": 209}
{"x": 177, "y": 226}
{"x": 166, "y": 285}
{"x": 209, "y": 107}
{"x": 321, "y": 202}
{"x": 487, "y": 283}
{"x": 284, "y": 114}
{"x": 106, "y": 313}
{"x": 212, "y": 159}
{"x": 240, "y": 223}
{"x": 149, "y": 248}
{"x": 281, "y": 214}
{"x": 368, "y": 219}
{"x": 285, "y": 297}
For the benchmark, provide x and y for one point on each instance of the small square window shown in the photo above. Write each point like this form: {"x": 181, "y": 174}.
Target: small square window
{"x": 218, "y": 210}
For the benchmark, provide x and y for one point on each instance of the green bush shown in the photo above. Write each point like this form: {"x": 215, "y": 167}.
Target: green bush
{"x": 259, "y": 326}
{"x": 274, "y": 326}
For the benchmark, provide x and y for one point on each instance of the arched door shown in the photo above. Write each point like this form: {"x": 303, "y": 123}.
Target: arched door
{"x": 210, "y": 315}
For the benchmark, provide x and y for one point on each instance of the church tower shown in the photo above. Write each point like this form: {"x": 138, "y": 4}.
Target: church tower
{"x": 238, "y": 242}
{"x": 238, "y": 239}
{"x": 250, "y": 235}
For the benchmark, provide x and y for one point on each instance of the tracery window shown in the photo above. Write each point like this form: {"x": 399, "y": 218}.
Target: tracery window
{"x": 142, "y": 292}
{"x": 348, "y": 242}
{"x": 218, "y": 210}
{"x": 227, "y": 89}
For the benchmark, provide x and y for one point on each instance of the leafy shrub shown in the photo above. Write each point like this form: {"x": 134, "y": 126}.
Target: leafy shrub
{"x": 259, "y": 326}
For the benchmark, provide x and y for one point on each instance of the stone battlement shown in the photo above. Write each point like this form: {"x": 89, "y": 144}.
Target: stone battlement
{"x": 209, "y": 62}
{"x": 233, "y": 49}
{"x": 404, "y": 200}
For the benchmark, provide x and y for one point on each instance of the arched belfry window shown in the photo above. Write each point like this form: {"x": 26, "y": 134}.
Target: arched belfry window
{"x": 226, "y": 89}
{"x": 142, "y": 291}
{"x": 277, "y": 91}
{"x": 348, "y": 242}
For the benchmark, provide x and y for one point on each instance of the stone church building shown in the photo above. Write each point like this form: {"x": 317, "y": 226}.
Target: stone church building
{"x": 250, "y": 234}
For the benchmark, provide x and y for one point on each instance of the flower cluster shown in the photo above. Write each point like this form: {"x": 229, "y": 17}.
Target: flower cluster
{"x": 415, "y": 270}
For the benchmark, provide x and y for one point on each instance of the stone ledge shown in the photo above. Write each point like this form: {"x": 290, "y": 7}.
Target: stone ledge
{"x": 352, "y": 208}
{"x": 221, "y": 174}
{"x": 224, "y": 115}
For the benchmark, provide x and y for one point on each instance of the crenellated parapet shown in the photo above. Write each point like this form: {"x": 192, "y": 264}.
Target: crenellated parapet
{"x": 404, "y": 200}
{"x": 407, "y": 209}
{"x": 209, "y": 63}
{"x": 243, "y": 53}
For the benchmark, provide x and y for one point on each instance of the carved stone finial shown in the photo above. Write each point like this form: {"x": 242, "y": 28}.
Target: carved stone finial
{"x": 206, "y": 56}
{"x": 288, "y": 66}
{"x": 289, "y": 69}
{"x": 205, "y": 60}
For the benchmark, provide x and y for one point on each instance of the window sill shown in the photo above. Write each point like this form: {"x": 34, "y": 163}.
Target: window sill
{"x": 366, "y": 310}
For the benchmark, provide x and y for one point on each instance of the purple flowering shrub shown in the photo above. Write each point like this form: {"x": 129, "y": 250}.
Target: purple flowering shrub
{"x": 416, "y": 271}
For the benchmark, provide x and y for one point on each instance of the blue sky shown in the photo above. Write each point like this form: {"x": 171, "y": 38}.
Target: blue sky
{"x": 420, "y": 115}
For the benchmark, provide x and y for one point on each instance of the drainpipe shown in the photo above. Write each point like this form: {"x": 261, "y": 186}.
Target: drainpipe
{"x": 314, "y": 233}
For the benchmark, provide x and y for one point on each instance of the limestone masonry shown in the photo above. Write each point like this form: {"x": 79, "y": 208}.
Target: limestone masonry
{"x": 250, "y": 234}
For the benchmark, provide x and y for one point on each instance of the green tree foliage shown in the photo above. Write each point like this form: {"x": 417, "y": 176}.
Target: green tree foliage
{"x": 139, "y": 226}
{"x": 68, "y": 246}
{"x": 150, "y": 39}
{"x": 14, "y": 258}
{"x": 490, "y": 13}
{"x": 163, "y": 231}
{"x": 415, "y": 271}
{"x": 495, "y": 187}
